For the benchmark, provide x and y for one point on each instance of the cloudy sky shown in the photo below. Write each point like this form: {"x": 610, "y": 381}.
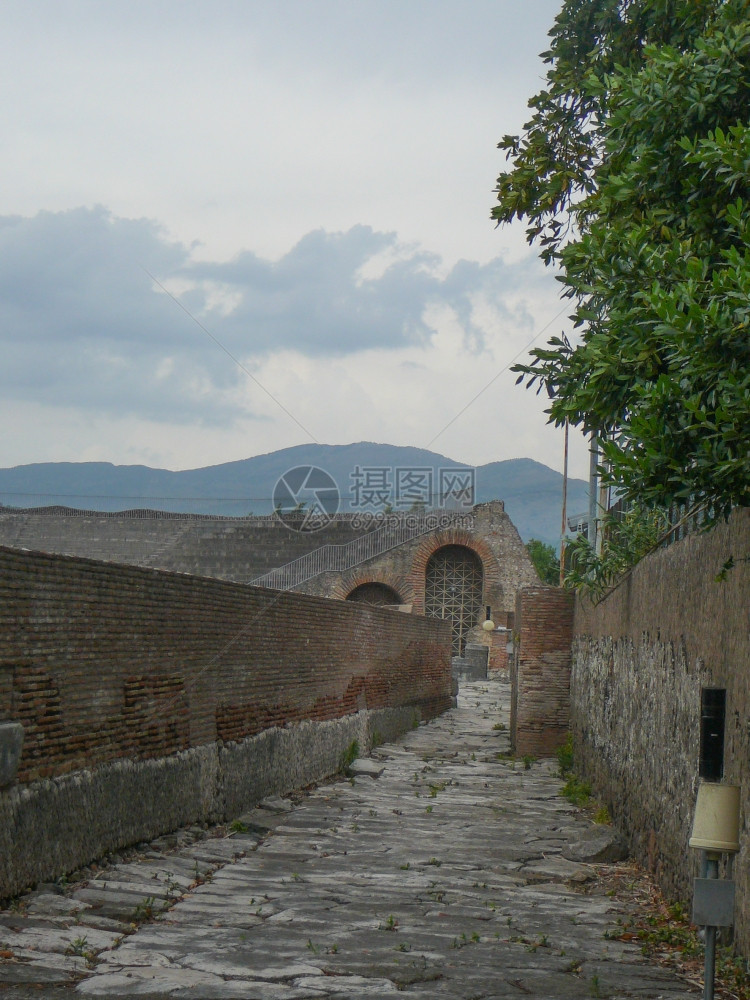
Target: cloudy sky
{"x": 237, "y": 226}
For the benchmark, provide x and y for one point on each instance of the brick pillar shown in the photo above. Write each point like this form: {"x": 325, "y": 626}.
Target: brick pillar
{"x": 498, "y": 658}
{"x": 540, "y": 675}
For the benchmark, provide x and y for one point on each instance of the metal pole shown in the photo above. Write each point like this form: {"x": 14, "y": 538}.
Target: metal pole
{"x": 564, "y": 525}
{"x": 711, "y": 862}
{"x": 593, "y": 490}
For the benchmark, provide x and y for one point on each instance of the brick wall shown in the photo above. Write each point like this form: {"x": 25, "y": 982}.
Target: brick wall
{"x": 640, "y": 660}
{"x": 104, "y": 664}
{"x": 540, "y": 674}
{"x": 240, "y": 550}
{"x": 499, "y": 642}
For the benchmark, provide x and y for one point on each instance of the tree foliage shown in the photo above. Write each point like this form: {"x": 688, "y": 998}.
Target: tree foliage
{"x": 625, "y": 541}
{"x": 544, "y": 558}
{"x": 634, "y": 176}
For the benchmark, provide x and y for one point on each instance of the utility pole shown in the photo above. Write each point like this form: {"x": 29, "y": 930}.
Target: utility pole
{"x": 593, "y": 490}
{"x": 564, "y": 526}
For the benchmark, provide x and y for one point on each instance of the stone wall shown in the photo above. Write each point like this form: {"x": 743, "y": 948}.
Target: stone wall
{"x": 641, "y": 658}
{"x": 236, "y": 549}
{"x": 540, "y": 672}
{"x": 151, "y": 700}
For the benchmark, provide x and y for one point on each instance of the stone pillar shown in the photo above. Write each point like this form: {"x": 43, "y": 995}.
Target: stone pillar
{"x": 540, "y": 674}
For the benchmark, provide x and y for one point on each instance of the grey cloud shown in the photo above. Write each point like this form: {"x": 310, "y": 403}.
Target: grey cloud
{"x": 82, "y": 324}
{"x": 314, "y": 301}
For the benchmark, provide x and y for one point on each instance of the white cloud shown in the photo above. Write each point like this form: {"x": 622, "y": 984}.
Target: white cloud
{"x": 313, "y": 182}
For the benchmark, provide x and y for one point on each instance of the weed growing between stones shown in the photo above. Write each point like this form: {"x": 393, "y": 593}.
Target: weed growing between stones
{"x": 349, "y": 755}
{"x": 81, "y": 948}
{"x": 602, "y": 816}
{"x": 595, "y": 989}
{"x": 174, "y": 892}
{"x": 565, "y": 756}
{"x": 78, "y": 946}
{"x": 145, "y": 910}
{"x": 237, "y": 826}
{"x": 200, "y": 877}
{"x": 577, "y": 792}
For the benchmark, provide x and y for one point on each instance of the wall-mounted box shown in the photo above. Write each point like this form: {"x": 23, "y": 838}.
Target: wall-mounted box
{"x": 713, "y": 902}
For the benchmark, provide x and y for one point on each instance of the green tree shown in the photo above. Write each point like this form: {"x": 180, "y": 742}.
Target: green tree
{"x": 634, "y": 176}
{"x": 626, "y": 539}
{"x": 545, "y": 561}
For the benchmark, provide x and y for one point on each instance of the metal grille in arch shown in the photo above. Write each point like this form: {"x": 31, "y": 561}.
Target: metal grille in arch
{"x": 453, "y": 590}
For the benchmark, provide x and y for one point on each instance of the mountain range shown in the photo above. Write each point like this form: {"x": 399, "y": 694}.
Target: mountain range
{"x": 532, "y": 492}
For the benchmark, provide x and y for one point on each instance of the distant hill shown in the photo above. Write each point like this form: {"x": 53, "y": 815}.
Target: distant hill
{"x": 532, "y": 492}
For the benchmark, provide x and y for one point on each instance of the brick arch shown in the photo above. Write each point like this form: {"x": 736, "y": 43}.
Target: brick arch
{"x": 354, "y": 578}
{"x": 438, "y": 540}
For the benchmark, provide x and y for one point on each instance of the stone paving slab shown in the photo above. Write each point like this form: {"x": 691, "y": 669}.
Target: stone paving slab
{"x": 442, "y": 869}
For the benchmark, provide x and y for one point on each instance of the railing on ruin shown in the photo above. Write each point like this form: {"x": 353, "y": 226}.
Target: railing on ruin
{"x": 682, "y": 520}
{"x": 396, "y": 529}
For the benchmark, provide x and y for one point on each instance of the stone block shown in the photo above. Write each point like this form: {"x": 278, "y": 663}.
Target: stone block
{"x": 602, "y": 845}
{"x": 472, "y": 666}
{"x": 11, "y": 741}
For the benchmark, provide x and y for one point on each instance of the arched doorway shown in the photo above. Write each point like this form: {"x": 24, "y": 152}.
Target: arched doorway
{"x": 379, "y": 594}
{"x": 453, "y": 590}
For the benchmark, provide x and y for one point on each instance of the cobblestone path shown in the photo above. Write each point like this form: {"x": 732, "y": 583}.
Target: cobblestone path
{"x": 437, "y": 872}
